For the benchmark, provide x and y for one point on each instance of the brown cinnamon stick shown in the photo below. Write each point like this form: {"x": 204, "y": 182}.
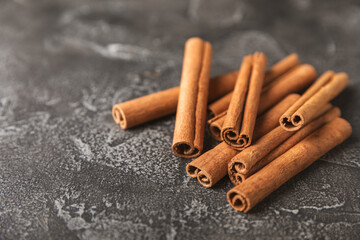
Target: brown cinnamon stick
{"x": 237, "y": 176}
{"x": 327, "y": 87}
{"x": 215, "y": 125}
{"x": 219, "y": 106}
{"x": 294, "y": 81}
{"x": 153, "y": 106}
{"x": 291, "y": 82}
{"x": 246, "y": 195}
{"x": 211, "y": 166}
{"x": 279, "y": 69}
{"x": 239, "y": 123}
{"x": 266, "y": 120}
{"x": 191, "y": 110}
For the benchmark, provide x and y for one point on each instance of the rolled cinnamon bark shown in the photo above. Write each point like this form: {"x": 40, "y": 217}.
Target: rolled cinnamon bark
{"x": 237, "y": 176}
{"x": 191, "y": 110}
{"x": 246, "y": 195}
{"x": 211, "y": 166}
{"x": 220, "y": 106}
{"x": 327, "y": 87}
{"x": 215, "y": 124}
{"x": 266, "y": 120}
{"x": 291, "y": 82}
{"x": 294, "y": 81}
{"x": 279, "y": 69}
{"x": 239, "y": 123}
{"x": 153, "y": 106}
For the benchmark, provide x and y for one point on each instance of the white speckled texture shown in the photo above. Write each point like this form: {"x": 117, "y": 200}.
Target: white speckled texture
{"x": 67, "y": 171}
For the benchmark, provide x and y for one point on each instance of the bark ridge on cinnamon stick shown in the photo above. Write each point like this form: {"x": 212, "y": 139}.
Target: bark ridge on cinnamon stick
{"x": 192, "y": 104}
{"x": 247, "y": 194}
{"x": 327, "y": 87}
{"x": 239, "y": 123}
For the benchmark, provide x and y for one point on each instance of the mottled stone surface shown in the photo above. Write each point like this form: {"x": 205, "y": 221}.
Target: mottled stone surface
{"x": 67, "y": 171}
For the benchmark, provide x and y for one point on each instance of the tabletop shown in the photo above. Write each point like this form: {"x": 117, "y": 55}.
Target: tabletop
{"x": 67, "y": 171}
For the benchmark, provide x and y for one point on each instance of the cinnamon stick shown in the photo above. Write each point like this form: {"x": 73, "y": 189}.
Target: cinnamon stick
{"x": 266, "y": 120}
{"x": 291, "y": 82}
{"x": 237, "y": 176}
{"x": 191, "y": 110}
{"x": 239, "y": 123}
{"x": 281, "y": 67}
{"x": 211, "y": 166}
{"x": 220, "y": 106}
{"x": 278, "y": 69}
{"x": 294, "y": 81}
{"x": 215, "y": 125}
{"x": 246, "y": 195}
{"x": 153, "y": 106}
{"x": 327, "y": 87}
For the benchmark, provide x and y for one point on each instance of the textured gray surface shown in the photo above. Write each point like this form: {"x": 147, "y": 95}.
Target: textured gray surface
{"x": 68, "y": 172}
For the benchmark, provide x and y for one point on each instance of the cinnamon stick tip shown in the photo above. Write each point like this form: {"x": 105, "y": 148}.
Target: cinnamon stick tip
{"x": 234, "y": 171}
{"x": 260, "y": 55}
{"x": 346, "y": 124}
{"x": 343, "y": 75}
{"x": 237, "y": 201}
{"x": 185, "y": 150}
{"x": 193, "y": 40}
{"x": 239, "y": 178}
{"x": 291, "y": 124}
{"x": 244, "y": 141}
{"x": 191, "y": 170}
{"x": 310, "y": 69}
{"x": 204, "y": 179}
{"x": 119, "y": 116}
{"x": 293, "y": 55}
{"x": 232, "y": 138}
{"x": 215, "y": 131}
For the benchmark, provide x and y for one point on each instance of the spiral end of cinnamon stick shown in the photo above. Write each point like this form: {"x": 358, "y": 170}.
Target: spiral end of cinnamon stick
{"x": 237, "y": 200}
{"x": 235, "y": 170}
{"x": 291, "y": 123}
{"x": 244, "y": 141}
{"x": 191, "y": 170}
{"x": 205, "y": 179}
{"x": 119, "y": 117}
{"x": 230, "y": 136}
{"x": 233, "y": 139}
{"x": 185, "y": 150}
{"x": 215, "y": 132}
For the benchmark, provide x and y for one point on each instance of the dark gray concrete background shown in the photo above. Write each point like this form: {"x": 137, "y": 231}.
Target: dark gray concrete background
{"x": 67, "y": 171}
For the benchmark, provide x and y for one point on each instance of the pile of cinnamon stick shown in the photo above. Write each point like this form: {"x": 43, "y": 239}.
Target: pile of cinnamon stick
{"x": 268, "y": 132}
